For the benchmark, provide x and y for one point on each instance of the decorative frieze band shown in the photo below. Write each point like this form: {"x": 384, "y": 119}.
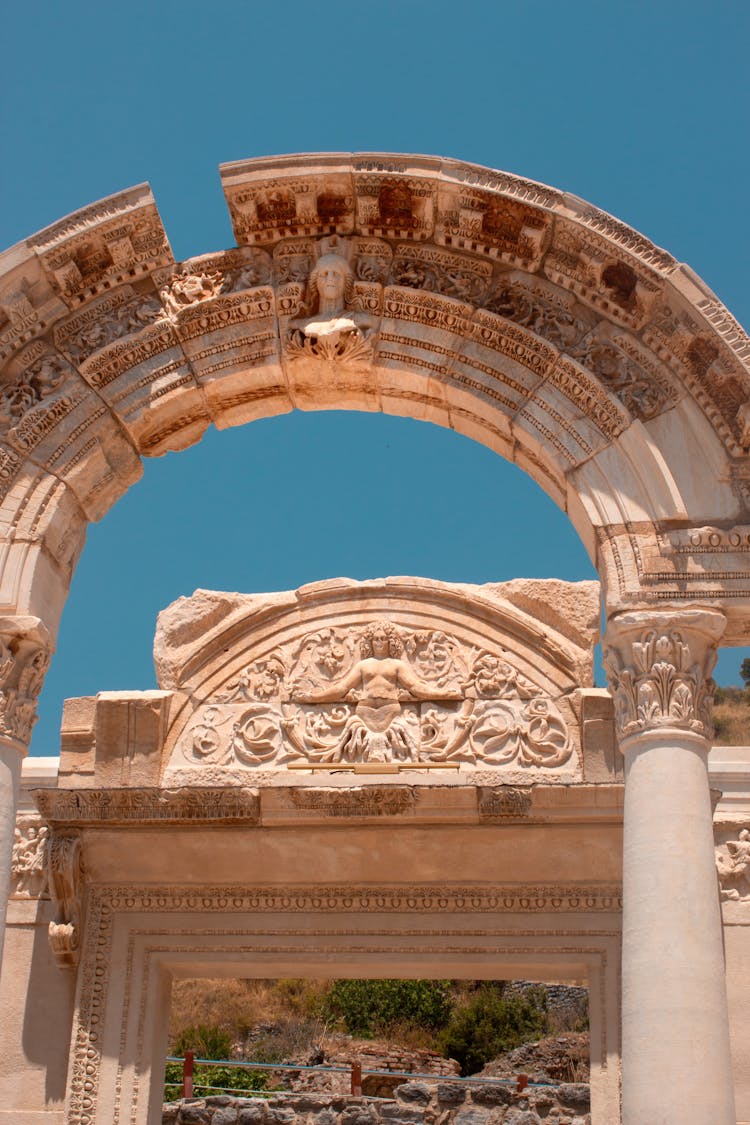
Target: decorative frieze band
{"x": 659, "y": 665}
{"x": 371, "y": 900}
{"x": 148, "y": 806}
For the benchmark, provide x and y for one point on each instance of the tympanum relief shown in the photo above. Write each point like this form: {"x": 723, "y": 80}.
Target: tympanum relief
{"x": 377, "y": 694}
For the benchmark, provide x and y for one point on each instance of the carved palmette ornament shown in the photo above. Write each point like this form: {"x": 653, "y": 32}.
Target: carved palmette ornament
{"x": 378, "y": 694}
{"x": 659, "y": 670}
{"x": 65, "y": 868}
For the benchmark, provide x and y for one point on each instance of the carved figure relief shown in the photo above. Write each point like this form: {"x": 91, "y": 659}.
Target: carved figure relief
{"x": 554, "y": 322}
{"x": 28, "y": 861}
{"x": 642, "y": 392}
{"x": 122, "y": 314}
{"x": 378, "y": 694}
{"x": 190, "y": 287}
{"x": 332, "y": 330}
{"x": 733, "y": 866}
{"x": 38, "y": 382}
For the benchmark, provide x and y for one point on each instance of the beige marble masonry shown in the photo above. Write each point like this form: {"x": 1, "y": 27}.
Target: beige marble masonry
{"x": 509, "y": 311}
{"x": 398, "y": 676}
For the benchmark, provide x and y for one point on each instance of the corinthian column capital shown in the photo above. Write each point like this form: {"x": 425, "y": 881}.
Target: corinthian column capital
{"x": 659, "y": 665}
{"x": 24, "y": 659}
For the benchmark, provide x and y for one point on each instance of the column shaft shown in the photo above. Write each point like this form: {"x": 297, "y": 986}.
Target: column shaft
{"x": 676, "y": 1064}
{"x": 10, "y": 780}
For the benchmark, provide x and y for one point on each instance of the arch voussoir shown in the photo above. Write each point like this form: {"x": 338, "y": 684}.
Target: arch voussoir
{"x": 506, "y": 310}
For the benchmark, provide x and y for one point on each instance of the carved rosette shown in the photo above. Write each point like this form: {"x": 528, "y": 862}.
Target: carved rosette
{"x": 658, "y": 666}
{"x": 24, "y": 659}
{"x": 65, "y": 868}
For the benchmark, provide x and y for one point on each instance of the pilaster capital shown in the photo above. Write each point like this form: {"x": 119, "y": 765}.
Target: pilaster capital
{"x": 658, "y": 665}
{"x": 25, "y": 651}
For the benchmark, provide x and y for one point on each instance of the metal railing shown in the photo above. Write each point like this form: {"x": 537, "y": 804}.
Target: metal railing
{"x": 189, "y": 1062}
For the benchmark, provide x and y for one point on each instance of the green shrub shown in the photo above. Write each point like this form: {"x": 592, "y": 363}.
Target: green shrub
{"x": 217, "y": 1077}
{"x": 207, "y": 1042}
{"x": 372, "y": 1007}
{"x": 491, "y": 1023}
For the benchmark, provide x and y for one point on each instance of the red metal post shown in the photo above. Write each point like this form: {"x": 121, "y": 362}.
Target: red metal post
{"x": 523, "y": 1081}
{"x": 357, "y": 1079}
{"x": 187, "y": 1074}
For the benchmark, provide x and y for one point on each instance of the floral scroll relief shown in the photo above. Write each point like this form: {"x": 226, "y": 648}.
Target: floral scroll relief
{"x": 378, "y": 694}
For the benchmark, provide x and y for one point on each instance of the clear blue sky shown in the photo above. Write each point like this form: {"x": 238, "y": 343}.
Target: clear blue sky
{"x": 639, "y": 107}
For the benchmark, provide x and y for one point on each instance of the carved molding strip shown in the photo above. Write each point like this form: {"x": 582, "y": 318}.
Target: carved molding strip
{"x": 148, "y": 806}
{"x": 371, "y": 900}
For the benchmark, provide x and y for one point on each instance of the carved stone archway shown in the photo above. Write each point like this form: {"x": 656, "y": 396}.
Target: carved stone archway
{"x": 509, "y": 311}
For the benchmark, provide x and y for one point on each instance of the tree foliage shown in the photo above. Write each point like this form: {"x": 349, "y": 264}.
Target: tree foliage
{"x": 490, "y": 1023}
{"x": 372, "y": 1007}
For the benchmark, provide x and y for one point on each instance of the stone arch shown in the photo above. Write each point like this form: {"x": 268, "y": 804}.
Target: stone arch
{"x": 514, "y": 313}
{"x": 509, "y": 311}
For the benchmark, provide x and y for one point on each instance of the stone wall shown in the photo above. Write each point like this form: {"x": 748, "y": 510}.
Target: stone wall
{"x": 415, "y": 1103}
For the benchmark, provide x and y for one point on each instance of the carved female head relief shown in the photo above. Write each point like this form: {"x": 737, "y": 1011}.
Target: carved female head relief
{"x": 330, "y": 285}
{"x": 381, "y": 639}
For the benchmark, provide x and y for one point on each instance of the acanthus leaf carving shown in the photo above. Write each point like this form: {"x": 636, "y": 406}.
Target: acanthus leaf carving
{"x": 24, "y": 660}
{"x": 380, "y": 694}
{"x": 659, "y": 669}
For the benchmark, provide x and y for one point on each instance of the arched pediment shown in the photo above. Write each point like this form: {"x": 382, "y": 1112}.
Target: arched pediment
{"x": 513, "y": 313}
{"x": 479, "y": 677}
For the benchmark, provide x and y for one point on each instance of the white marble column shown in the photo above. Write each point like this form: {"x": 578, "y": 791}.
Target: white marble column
{"x": 24, "y": 659}
{"x": 676, "y": 1065}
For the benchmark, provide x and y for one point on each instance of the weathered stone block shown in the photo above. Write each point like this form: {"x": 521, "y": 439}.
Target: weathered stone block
{"x": 575, "y": 1095}
{"x": 225, "y": 1116}
{"x": 472, "y": 1116}
{"x": 253, "y": 1113}
{"x": 492, "y": 1094}
{"x": 451, "y": 1093}
{"x": 194, "y": 1113}
{"x": 416, "y": 1092}
{"x": 130, "y": 729}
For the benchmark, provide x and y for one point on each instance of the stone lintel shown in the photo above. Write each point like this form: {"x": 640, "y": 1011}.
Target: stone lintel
{"x": 147, "y": 808}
